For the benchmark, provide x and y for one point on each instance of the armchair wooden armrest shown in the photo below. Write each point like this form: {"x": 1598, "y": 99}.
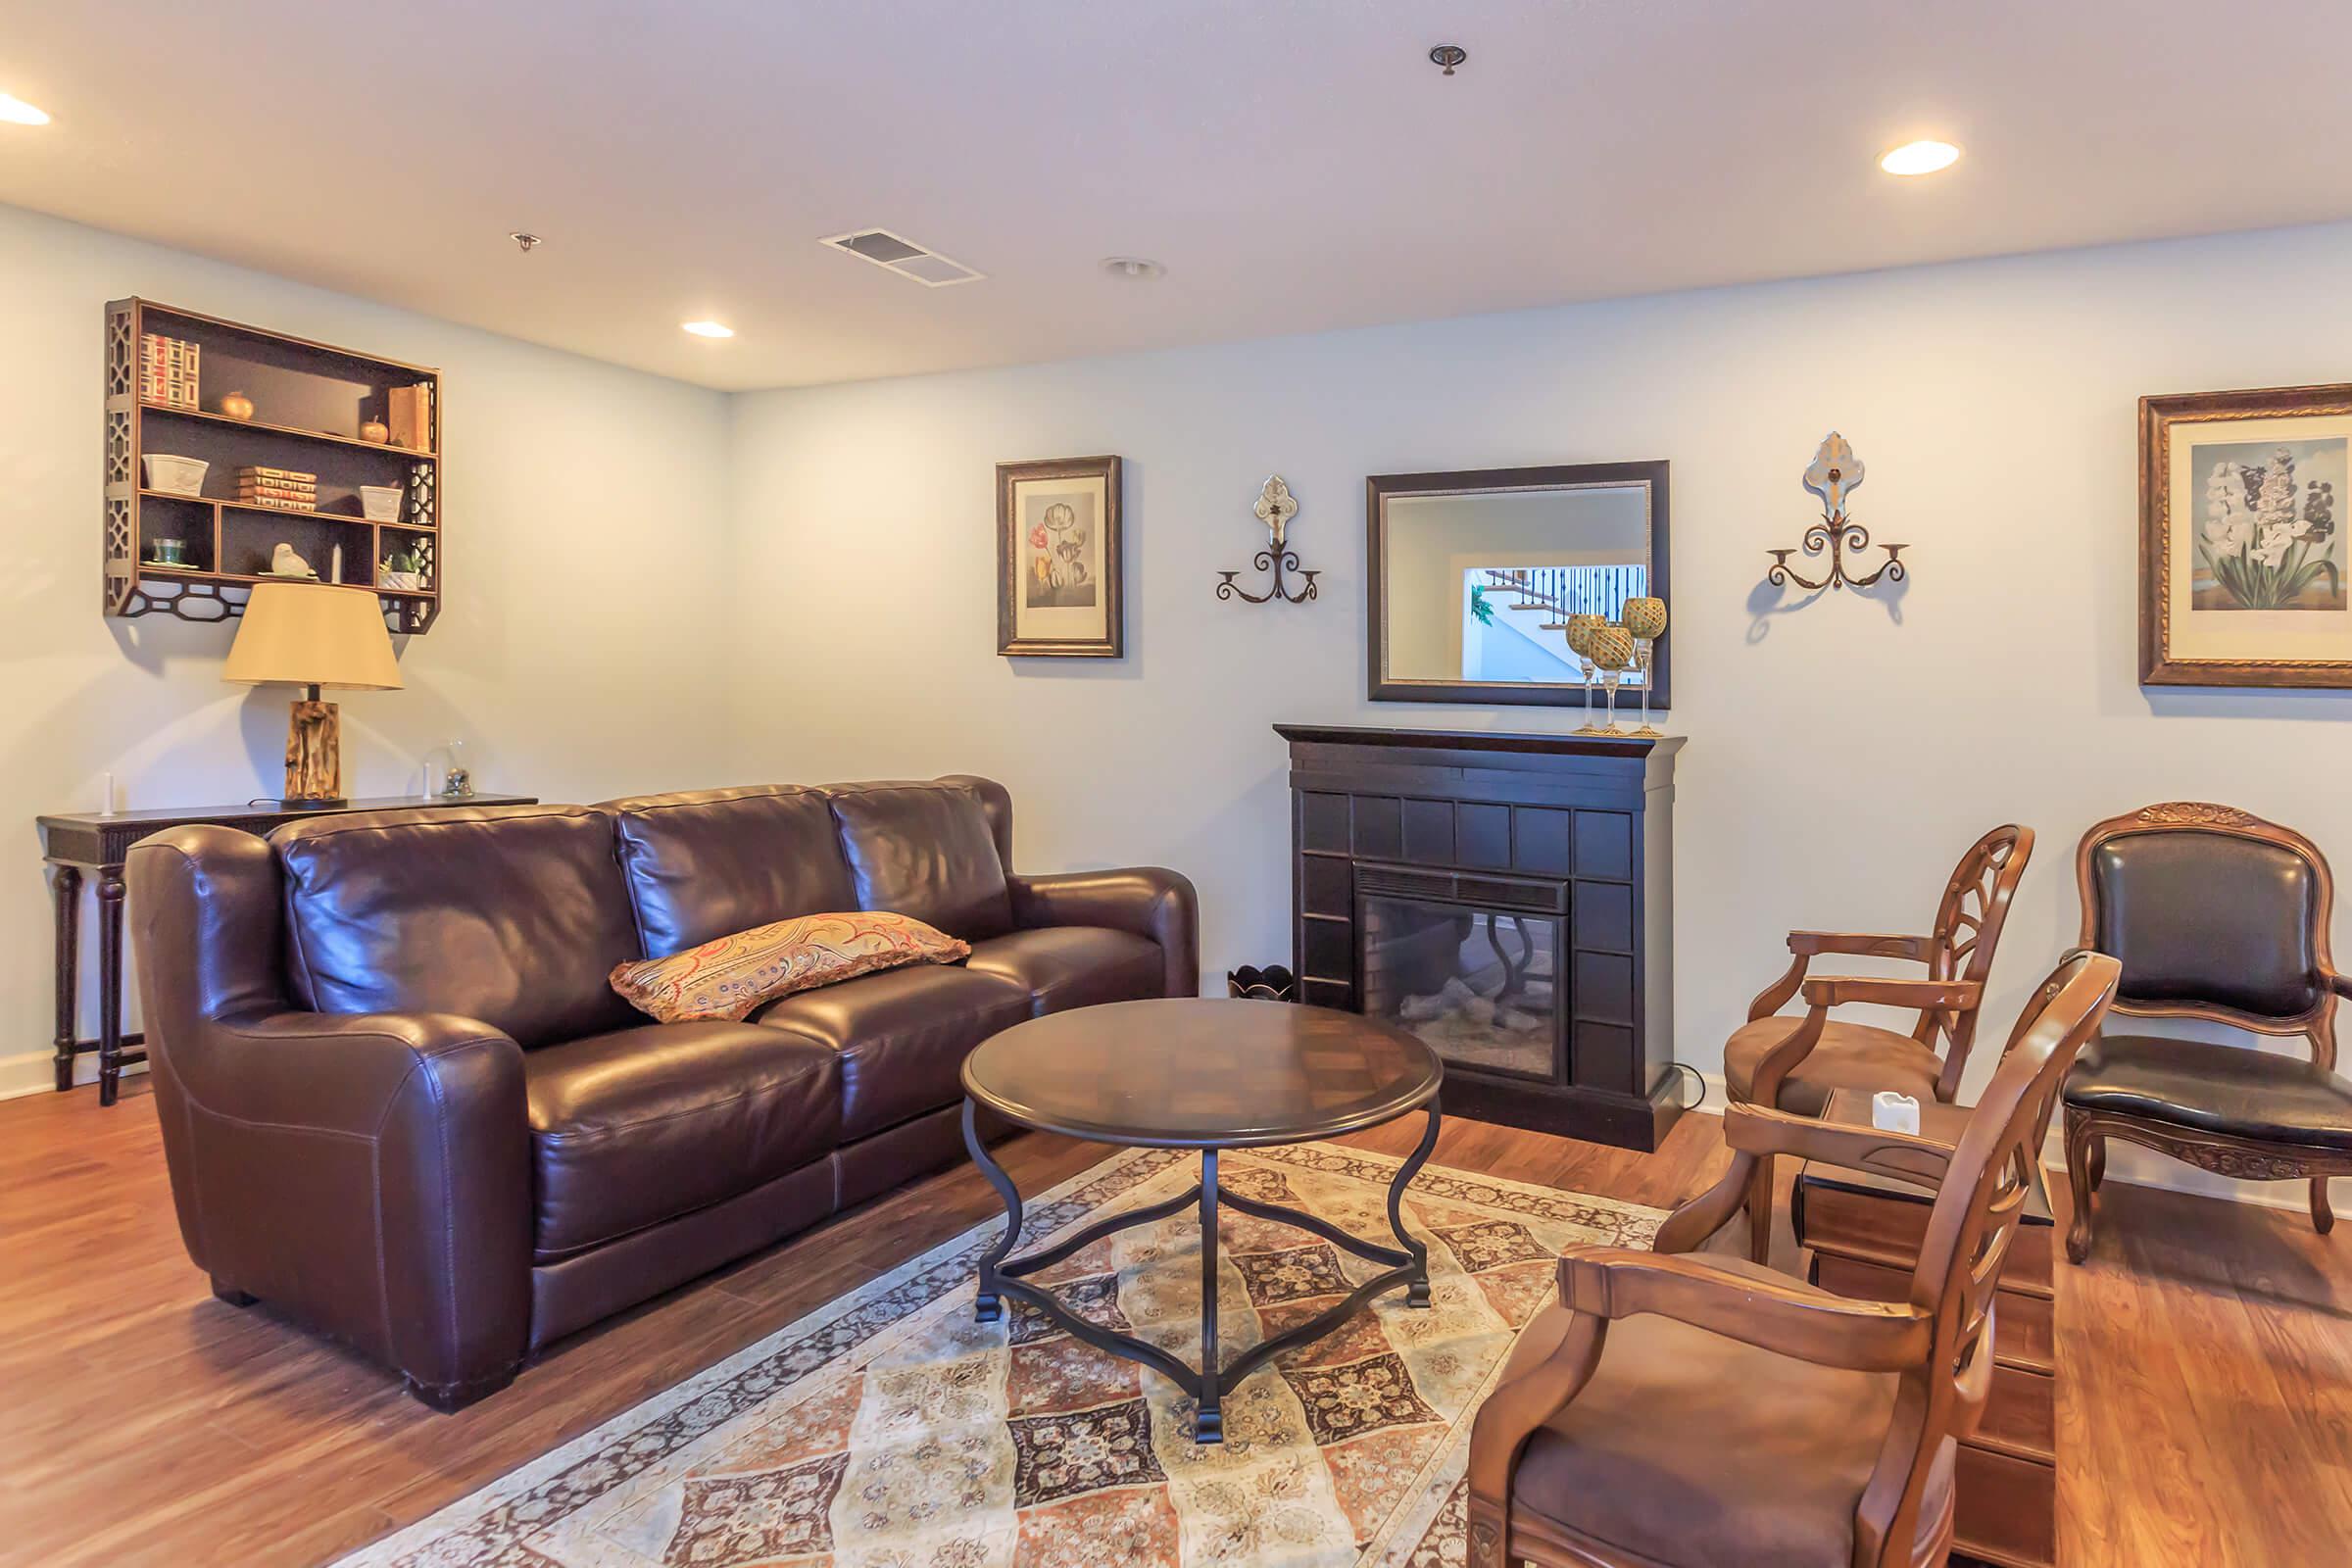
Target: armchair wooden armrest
{"x": 1905, "y": 1157}
{"x": 1757, "y": 1133}
{"x": 1786, "y": 1316}
{"x": 1861, "y": 944}
{"x": 1805, "y": 945}
{"x": 2340, "y": 984}
{"x": 1836, "y": 990}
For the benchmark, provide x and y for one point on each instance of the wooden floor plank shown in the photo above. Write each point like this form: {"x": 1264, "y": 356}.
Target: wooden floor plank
{"x": 2205, "y": 1413}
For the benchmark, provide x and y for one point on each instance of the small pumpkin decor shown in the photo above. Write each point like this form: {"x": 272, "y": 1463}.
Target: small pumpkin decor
{"x": 236, "y": 406}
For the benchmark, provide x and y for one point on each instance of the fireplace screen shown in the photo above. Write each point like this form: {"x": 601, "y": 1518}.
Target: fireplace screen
{"x": 1476, "y": 983}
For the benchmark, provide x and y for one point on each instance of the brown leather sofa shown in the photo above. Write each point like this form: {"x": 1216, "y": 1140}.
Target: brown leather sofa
{"x": 401, "y": 1105}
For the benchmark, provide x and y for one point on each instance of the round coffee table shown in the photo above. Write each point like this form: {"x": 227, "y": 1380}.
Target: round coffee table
{"x": 1211, "y": 1075}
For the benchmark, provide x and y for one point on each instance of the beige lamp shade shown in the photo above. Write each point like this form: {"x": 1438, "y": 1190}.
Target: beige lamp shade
{"x": 313, "y": 634}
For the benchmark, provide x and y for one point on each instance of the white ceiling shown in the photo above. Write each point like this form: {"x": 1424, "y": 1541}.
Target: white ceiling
{"x": 1297, "y": 165}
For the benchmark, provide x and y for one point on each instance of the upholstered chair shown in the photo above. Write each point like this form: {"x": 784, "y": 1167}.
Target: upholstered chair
{"x": 2219, "y": 915}
{"x": 1701, "y": 1409}
{"x": 1792, "y": 1062}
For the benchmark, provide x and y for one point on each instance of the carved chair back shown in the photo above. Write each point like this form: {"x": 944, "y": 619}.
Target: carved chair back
{"x": 1966, "y": 931}
{"x": 1978, "y": 1206}
{"x": 2214, "y": 913}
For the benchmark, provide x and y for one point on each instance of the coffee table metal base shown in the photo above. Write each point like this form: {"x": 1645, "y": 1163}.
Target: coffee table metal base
{"x": 1003, "y": 1275}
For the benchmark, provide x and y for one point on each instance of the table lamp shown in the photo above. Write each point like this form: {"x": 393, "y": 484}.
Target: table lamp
{"x": 313, "y": 635}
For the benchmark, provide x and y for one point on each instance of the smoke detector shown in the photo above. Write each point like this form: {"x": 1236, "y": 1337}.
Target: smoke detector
{"x": 895, "y": 253}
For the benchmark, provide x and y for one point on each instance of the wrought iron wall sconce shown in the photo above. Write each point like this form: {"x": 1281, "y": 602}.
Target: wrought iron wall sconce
{"x": 1835, "y": 474}
{"x": 1276, "y": 506}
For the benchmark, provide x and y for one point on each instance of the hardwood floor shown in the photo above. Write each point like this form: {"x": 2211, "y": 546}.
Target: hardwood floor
{"x": 2206, "y": 1415}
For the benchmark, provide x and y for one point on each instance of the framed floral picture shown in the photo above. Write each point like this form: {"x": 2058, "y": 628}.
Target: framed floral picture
{"x": 1057, "y": 559}
{"x": 2243, "y": 569}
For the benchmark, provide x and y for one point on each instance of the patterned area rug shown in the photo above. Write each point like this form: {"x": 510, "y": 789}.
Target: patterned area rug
{"x": 888, "y": 1430}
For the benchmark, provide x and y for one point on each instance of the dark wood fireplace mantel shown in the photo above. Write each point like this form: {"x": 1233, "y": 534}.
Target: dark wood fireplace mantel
{"x": 1413, "y": 848}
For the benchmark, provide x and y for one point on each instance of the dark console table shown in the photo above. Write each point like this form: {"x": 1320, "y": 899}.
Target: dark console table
{"x": 1506, "y": 898}
{"x": 98, "y": 842}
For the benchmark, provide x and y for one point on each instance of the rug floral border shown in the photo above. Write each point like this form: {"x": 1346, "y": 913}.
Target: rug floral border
{"x": 490, "y": 1526}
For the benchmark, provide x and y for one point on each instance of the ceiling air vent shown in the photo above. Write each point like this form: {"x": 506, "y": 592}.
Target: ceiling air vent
{"x": 902, "y": 255}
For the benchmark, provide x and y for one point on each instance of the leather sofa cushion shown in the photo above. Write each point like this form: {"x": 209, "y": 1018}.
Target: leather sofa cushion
{"x": 511, "y": 916}
{"x": 1849, "y": 1055}
{"x": 641, "y": 1125}
{"x": 2233, "y": 1090}
{"x": 902, "y": 1037}
{"x": 1074, "y": 965}
{"x": 2212, "y": 917}
{"x": 924, "y": 849}
{"x": 1689, "y": 1447}
{"x": 702, "y": 865}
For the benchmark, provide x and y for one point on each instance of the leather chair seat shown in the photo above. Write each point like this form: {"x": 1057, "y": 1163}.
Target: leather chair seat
{"x": 1072, "y": 966}
{"x": 641, "y": 1125}
{"x": 1688, "y": 1448}
{"x": 901, "y": 1036}
{"x": 1849, "y": 1055}
{"x": 2232, "y": 1090}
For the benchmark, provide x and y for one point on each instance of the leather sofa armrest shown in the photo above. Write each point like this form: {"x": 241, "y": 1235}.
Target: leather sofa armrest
{"x": 407, "y": 1129}
{"x": 1146, "y": 901}
{"x": 367, "y": 1174}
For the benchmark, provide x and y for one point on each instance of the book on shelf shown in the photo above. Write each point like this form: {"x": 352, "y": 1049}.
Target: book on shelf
{"x": 409, "y": 416}
{"x": 167, "y": 371}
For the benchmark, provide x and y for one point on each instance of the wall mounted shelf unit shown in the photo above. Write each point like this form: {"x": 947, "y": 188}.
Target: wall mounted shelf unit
{"x": 309, "y": 403}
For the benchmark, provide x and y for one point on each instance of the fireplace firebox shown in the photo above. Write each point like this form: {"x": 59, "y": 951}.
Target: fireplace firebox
{"x": 1506, "y": 898}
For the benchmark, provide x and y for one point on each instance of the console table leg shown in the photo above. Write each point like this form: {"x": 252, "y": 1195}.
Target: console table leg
{"x": 988, "y": 1306}
{"x": 1416, "y": 1294}
{"x": 65, "y": 888}
{"x": 110, "y": 982}
{"x": 1208, "y": 1419}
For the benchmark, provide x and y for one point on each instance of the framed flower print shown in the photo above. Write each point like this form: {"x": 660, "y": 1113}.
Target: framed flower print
{"x": 2245, "y": 577}
{"x": 1058, "y": 539}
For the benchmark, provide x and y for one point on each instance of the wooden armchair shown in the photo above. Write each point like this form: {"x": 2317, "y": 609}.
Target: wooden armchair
{"x": 1792, "y": 1062}
{"x": 2220, "y": 915}
{"x": 1741, "y": 1416}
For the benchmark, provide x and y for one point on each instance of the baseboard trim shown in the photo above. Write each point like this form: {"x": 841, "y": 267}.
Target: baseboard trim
{"x": 2139, "y": 1167}
{"x": 35, "y": 1072}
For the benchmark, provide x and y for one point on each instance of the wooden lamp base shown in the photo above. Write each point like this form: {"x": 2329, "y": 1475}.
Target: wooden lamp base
{"x": 314, "y": 754}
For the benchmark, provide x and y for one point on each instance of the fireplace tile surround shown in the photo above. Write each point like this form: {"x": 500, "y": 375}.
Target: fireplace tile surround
{"x": 1509, "y": 897}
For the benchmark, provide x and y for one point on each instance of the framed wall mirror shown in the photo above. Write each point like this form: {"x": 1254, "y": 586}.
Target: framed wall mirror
{"x": 1473, "y": 575}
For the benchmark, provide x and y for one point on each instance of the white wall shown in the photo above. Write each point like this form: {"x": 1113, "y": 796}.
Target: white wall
{"x": 656, "y": 586}
{"x": 579, "y": 654}
{"x": 1843, "y": 752}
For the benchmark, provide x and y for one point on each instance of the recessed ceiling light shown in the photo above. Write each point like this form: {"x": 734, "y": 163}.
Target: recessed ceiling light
{"x": 708, "y": 329}
{"x": 1920, "y": 158}
{"x": 17, "y": 112}
{"x": 1134, "y": 268}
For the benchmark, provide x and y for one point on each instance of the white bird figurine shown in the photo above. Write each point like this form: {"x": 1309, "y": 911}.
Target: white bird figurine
{"x": 284, "y": 563}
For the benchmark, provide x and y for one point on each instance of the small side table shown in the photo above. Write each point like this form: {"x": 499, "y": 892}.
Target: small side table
{"x": 1864, "y": 1231}
{"x": 98, "y": 842}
